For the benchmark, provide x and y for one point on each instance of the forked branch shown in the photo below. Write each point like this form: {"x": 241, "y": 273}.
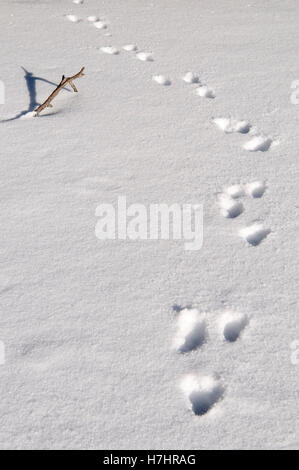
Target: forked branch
{"x": 64, "y": 81}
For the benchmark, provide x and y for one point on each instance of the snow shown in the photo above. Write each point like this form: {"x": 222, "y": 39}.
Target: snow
{"x": 89, "y": 325}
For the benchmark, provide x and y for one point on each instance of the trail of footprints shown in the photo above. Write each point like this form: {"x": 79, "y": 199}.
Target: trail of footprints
{"x": 203, "y": 392}
{"x": 257, "y": 142}
{"x": 202, "y": 90}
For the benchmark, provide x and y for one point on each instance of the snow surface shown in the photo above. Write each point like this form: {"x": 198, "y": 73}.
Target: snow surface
{"x": 89, "y": 325}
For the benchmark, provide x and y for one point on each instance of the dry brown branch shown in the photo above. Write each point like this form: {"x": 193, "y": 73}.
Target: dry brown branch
{"x": 64, "y": 81}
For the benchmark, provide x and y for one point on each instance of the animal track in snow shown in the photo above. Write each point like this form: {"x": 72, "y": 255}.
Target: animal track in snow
{"x": 93, "y": 19}
{"x": 229, "y": 126}
{"x": 258, "y": 143}
{"x": 73, "y": 18}
{"x": 162, "y": 80}
{"x": 100, "y": 25}
{"x": 256, "y": 189}
{"x": 205, "y": 92}
{"x": 254, "y": 233}
{"x": 235, "y": 191}
{"x": 202, "y": 392}
{"x": 191, "y": 77}
{"x": 191, "y": 331}
{"x": 110, "y": 50}
{"x": 229, "y": 206}
{"x": 145, "y": 56}
{"x": 130, "y": 47}
{"x": 232, "y": 324}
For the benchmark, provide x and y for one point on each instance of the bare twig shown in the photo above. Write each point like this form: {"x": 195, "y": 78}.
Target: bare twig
{"x": 64, "y": 81}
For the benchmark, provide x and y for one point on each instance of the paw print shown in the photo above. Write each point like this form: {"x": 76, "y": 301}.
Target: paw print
{"x": 258, "y": 141}
{"x": 203, "y": 392}
{"x": 231, "y": 205}
{"x": 202, "y": 90}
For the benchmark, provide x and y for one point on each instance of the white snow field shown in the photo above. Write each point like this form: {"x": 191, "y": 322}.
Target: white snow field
{"x": 89, "y": 326}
